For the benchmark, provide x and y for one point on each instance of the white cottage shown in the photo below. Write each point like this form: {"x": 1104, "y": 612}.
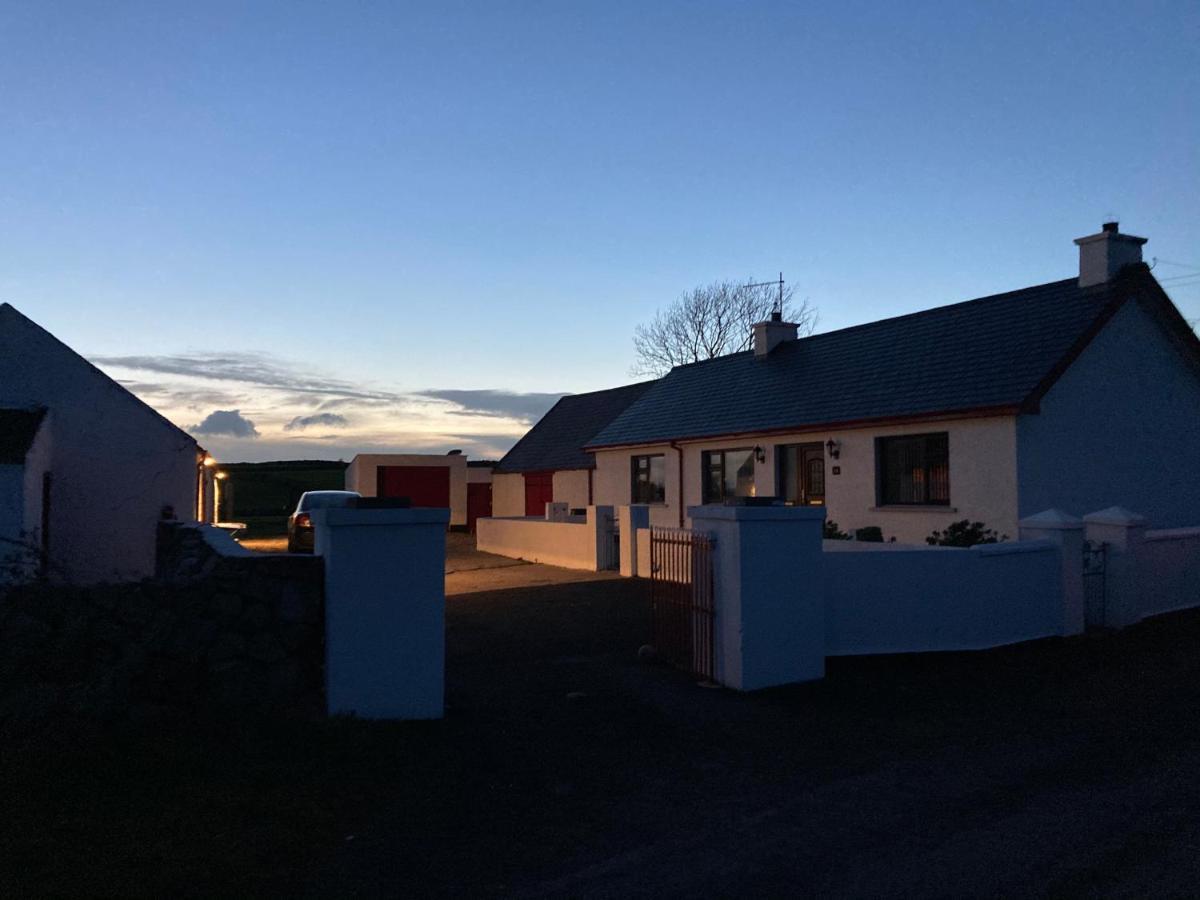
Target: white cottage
{"x": 86, "y": 468}
{"x": 1078, "y": 394}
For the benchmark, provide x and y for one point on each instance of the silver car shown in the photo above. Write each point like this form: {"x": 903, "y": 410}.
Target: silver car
{"x": 300, "y": 526}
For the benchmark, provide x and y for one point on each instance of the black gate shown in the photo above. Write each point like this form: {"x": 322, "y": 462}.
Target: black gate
{"x": 1095, "y": 564}
{"x": 681, "y": 599}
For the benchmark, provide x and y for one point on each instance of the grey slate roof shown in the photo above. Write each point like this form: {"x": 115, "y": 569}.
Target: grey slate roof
{"x": 557, "y": 440}
{"x": 981, "y": 354}
{"x": 18, "y": 428}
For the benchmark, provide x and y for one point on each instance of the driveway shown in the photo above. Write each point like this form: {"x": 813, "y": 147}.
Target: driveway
{"x": 1061, "y": 767}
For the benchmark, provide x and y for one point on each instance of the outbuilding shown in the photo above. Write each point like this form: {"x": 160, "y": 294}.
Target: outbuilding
{"x": 549, "y": 463}
{"x": 86, "y": 468}
{"x": 426, "y": 480}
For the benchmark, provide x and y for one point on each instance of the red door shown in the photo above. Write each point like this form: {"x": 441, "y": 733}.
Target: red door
{"x": 427, "y": 486}
{"x": 539, "y": 490}
{"x": 479, "y": 503}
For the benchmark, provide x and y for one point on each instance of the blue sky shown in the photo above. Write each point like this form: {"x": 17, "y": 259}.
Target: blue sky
{"x": 392, "y": 207}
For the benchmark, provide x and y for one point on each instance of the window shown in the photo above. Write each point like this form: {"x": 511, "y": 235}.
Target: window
{"x": 649, "y": 479}
{"x": 914, "y": 470}
{"x": 727, "y": 474}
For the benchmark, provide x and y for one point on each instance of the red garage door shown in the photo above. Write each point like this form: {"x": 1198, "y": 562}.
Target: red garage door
{"x": 479, "y": 503}
{"x": 422, "y": 485}
{"x": 539, "y": 490}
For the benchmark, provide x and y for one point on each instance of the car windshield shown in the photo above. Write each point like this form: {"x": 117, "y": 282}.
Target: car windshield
{"x": 325, "y": 499}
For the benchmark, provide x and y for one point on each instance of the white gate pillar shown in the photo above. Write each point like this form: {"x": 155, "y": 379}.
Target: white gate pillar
{"x": 1123, "y": 532}
{"x": 769, "y": 591}
{"x": 385, "y": 610}
{"x": 629, "y": 520}
{"x": 1066, "y": 531}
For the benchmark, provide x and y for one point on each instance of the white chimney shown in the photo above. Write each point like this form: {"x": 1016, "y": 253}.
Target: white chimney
{"x": 770, "y": 334}
{"x": 1103, "y": 255}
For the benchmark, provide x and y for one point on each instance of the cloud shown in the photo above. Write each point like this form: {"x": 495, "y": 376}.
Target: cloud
{"x": 505, "y": 404}
{"x": 228, "y": 422}
{"x": 260, "y": 369}
{"x": 330, "y": 420}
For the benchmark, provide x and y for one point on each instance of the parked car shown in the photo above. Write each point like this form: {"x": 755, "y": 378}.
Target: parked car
{"x": 300, "y": 526}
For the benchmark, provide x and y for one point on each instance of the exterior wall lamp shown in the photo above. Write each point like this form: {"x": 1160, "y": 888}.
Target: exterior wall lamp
{"x": 760, "y": 455}
{"x": 834, "y": 448}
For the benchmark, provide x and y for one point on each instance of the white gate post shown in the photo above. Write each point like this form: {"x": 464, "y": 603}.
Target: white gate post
{"x": 600, "y": 522}
{"x": 769, "y": 591}
{"x": 1066, "y": 531}
{"x": 629, "y": 520}
{"x": 385, "y": 607}
{"x": 1123, "y": 531}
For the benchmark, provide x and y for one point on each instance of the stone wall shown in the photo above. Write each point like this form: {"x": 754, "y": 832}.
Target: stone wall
{"x": 218, "y": 627}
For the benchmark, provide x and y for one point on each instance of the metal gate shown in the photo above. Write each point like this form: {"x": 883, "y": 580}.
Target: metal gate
{"x": 681, "y": 599}
{"x": 1095, "y": 565}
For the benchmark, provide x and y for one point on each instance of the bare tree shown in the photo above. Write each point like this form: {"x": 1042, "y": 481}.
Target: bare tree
{"x": 712, "y": 320}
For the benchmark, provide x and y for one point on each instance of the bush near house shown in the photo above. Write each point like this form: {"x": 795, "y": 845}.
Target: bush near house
{"x": 831, "y": 532}
{"x": 964, "y": 533}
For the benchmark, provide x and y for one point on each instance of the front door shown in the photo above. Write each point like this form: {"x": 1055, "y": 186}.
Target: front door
{"x": 802, "y": 474}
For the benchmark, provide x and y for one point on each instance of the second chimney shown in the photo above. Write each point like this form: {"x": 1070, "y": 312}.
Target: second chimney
{"x": 1103, "y": 255}
{"x": 770, "y": 334}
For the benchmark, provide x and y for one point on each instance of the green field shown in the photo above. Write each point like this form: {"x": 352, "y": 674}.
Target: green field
{"x": 263, "y": 495}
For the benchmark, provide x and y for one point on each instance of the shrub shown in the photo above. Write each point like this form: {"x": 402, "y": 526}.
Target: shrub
{"x": 964, "y": 533}
{"x": 871, "y": 534}
{"x": 831, "y": 532}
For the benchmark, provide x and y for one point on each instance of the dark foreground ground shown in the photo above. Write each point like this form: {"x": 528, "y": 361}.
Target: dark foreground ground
{"x": 565, "y": 767}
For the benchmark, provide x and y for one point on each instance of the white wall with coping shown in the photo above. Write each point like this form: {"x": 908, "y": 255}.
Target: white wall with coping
{"x": 571, "y": 544}
{"x": 983, "y": 466}
{"x": 508, "y": 494}
{"x": 385, "y": 639}
{"x": 115, "y": 462}
{"x": 912, "y": 600}
{"x": 362, "y": 475}
{"x": 768, "y": 581}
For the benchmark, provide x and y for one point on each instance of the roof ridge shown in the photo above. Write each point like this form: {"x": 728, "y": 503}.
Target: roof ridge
{"x": 876, "y": 322}
{"x": 96, "y": 369}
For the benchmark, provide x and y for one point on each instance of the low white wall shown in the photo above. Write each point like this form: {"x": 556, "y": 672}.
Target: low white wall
{"x": 1169, "y": 570}
{"x": 572, "y": 545}
{"x": 914, "y": 599}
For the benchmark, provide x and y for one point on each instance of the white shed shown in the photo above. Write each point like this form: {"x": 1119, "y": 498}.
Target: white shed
{"x": 86, "y": 468}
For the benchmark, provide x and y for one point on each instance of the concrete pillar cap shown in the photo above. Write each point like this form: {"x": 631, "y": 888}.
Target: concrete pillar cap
{"x": 1052, "y": 519}
{"x": 1115, "y": 515}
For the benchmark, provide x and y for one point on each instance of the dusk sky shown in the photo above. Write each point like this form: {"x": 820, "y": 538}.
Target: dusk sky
{"x": 313, "y": 229}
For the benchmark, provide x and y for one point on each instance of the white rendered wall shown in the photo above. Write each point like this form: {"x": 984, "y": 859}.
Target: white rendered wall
{"x": 572, "y": 545}
{"x": 911, "y": 600}
{"x": 571, "y": 487}
{"x": 1170, "y": 565}
{"x": 982, "y": 476}
{"x": 362, "y": 475}
{"x": 508, "y": 494}
{"x": 115, "y": 462}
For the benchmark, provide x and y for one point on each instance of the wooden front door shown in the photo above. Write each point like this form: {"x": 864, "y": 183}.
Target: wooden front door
{"x": 802, "y": 474}
{"x": 479, "y": 503}
{"x": 539, "y": 490}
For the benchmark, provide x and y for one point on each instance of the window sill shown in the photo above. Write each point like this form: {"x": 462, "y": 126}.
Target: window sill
{"x": 915, "y": 508}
